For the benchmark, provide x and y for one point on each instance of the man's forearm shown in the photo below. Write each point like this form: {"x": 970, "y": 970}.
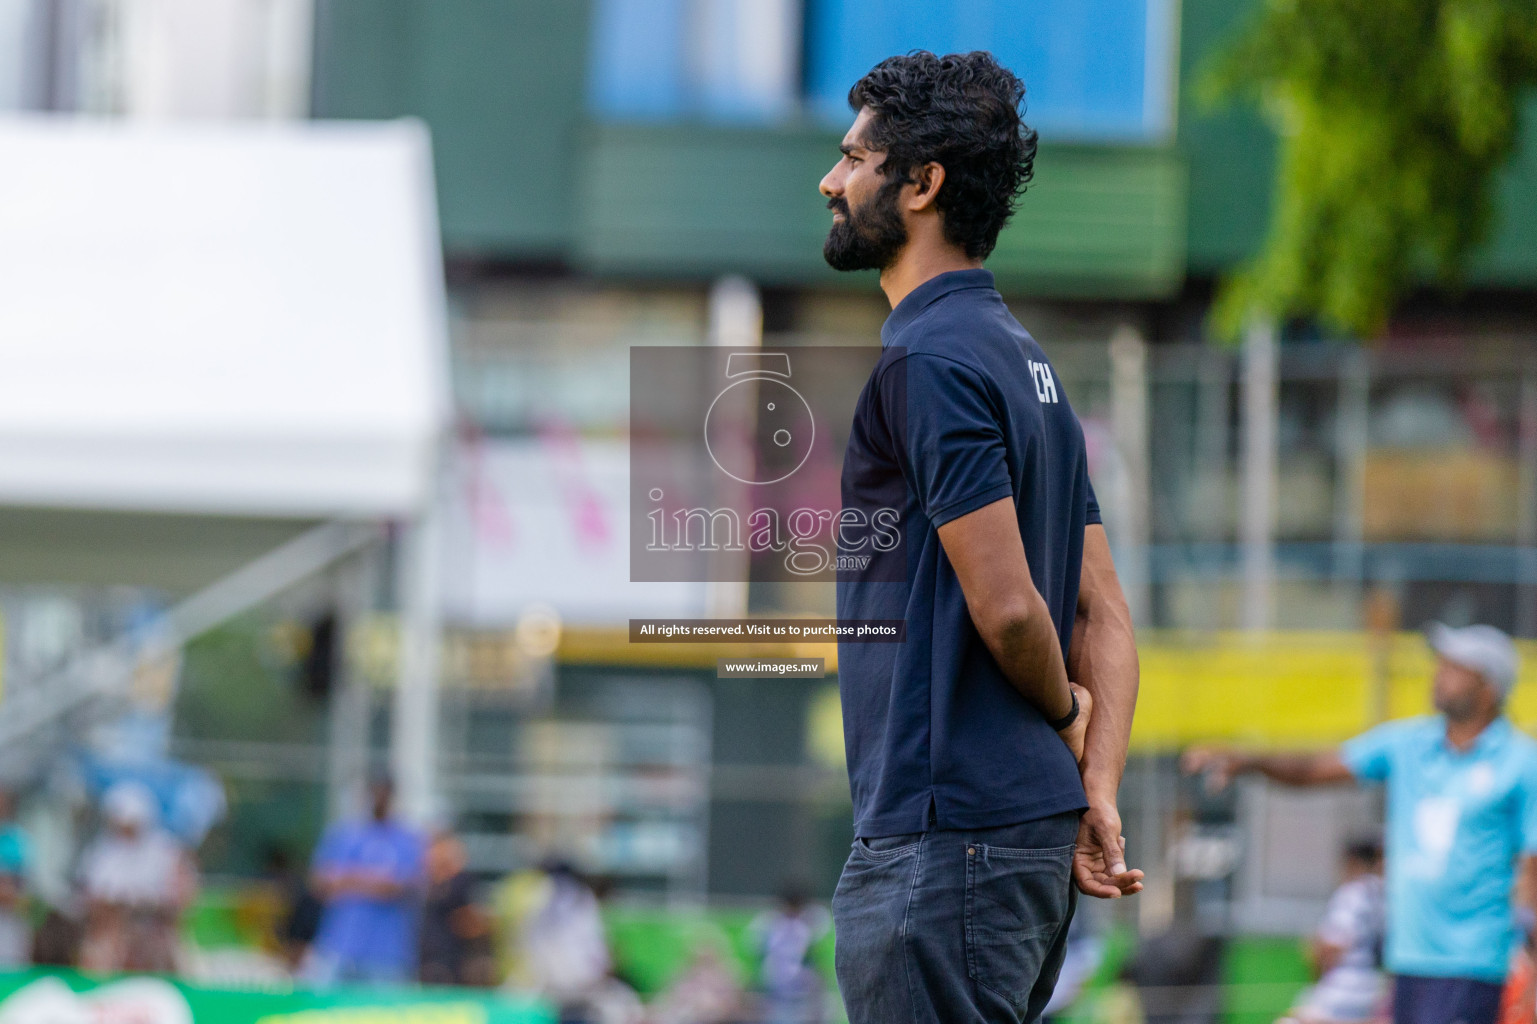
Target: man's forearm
{"x": 1104, "y": 662}
{"x": 1288, "y": 769}
{"x": 1219, "y": 765}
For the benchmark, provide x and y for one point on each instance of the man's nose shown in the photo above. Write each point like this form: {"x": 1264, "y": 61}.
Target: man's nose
{"x": 830, "y": 186}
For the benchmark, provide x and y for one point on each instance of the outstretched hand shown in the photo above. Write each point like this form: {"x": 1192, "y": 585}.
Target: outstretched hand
{"x": 1216, "y": 766}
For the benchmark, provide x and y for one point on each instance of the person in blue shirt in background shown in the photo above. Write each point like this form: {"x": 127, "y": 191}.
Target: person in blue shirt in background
{"x": 1462, "y": 820}
{"x": 370, "y": 876}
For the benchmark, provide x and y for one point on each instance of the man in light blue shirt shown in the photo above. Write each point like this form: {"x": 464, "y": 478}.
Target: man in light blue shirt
{"x": 370, "y": 876}
{"x": 1461, "y": 818}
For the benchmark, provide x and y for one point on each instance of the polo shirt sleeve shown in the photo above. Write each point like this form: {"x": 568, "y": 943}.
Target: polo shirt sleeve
{"x": 946, "y": 429}
{"x": 1369, "y": 756}
{"x": 1091, "y": 514}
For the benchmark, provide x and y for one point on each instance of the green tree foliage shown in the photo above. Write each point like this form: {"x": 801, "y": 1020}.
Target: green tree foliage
{"x": 1393, "y": 117}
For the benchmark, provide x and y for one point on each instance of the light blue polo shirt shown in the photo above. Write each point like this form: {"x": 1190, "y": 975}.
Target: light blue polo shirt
{"x": 371, "y": 936}
{"x": 1457, "y": 824}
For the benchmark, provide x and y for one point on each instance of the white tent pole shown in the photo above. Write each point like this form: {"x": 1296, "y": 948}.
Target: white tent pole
{"x": 736, "y": 321}
{"x": 414, "y": 726}
{"x": 1129, "y": 424}
{"x": 347, "y": 756}
{"x": 1260, "y": 408}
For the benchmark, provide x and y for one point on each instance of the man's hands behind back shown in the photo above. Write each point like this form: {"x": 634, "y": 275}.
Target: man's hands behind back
{"x": 1075, "y": 734}
{"x": 1099, "y": 861}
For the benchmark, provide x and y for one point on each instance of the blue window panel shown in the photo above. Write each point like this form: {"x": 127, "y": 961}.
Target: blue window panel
{"x": 637, "y": 68}
{"x": 1093, "y": 69}
{"x": 722, "y": 60}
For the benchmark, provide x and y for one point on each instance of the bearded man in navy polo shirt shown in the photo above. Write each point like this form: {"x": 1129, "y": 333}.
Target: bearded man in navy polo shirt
{"x": 984, "y": 781}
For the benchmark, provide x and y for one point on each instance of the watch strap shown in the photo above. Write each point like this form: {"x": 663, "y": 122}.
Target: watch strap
{"x": 1069, "y": 718}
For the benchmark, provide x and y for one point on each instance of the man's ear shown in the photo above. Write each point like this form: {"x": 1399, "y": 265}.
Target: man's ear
{"x": 928, "y": 178}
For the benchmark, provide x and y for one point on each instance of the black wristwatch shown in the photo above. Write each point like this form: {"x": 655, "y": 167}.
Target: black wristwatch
{"x": 1069, "y": 718}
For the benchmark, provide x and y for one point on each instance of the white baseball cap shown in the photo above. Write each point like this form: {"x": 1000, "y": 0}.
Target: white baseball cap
{"x": 130, "y": 803}
{"x": 1484, "y": 649}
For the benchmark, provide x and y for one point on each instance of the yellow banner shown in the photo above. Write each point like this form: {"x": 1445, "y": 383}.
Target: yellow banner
{"x": 1289, "y": 689}
{"x": 1278, "y": 689}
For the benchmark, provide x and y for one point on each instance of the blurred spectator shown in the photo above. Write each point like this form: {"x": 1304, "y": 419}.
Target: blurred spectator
{"x": 792, "y": 988}
{"x": 456, "y": 932}
{"x": 1461, "y": 823}
{"x": 56, "y": 943}
{"x": 514, "y": 902}
{"x": 1119, "y": 1002}
{"x": 566, "y": 951}
{"x": 15, "y": 858}
{"x": 1518, "y": 1003}
{"x": 1178, "y": 979}
{"x": 368, "y": 874}
{"x": 297, "y": 910}
{"x": 707, "y": 992}
{"x": 564, "y": 935}
{"x": 1347, "y": 948}
{"x": 137, "y": 880}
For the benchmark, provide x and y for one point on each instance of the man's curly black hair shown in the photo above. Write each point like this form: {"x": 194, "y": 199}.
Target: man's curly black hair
{"x": 961, "y": 111}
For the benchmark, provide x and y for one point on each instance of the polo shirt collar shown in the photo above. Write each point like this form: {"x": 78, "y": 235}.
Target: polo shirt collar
{"x": 929, "y": 292}
{"x": 1492, "y": 736}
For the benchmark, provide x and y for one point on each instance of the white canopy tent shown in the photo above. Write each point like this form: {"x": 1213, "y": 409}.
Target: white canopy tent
{"x": 217, "y": 319}
{"x": 215, "y": 341}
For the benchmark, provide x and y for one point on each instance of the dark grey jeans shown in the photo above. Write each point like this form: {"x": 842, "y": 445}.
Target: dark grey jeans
{"x": 948, "y": 927}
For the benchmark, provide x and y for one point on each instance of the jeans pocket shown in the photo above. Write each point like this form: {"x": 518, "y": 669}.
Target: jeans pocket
{"x": 888, "y": 846}
{"x": 1017, "y": 903}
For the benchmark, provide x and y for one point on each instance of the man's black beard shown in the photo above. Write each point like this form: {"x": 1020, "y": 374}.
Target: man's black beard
{"x": 871, "y": 240}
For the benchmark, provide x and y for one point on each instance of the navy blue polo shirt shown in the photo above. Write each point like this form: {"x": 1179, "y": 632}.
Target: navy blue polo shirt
{"x": 962, "y": 409}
